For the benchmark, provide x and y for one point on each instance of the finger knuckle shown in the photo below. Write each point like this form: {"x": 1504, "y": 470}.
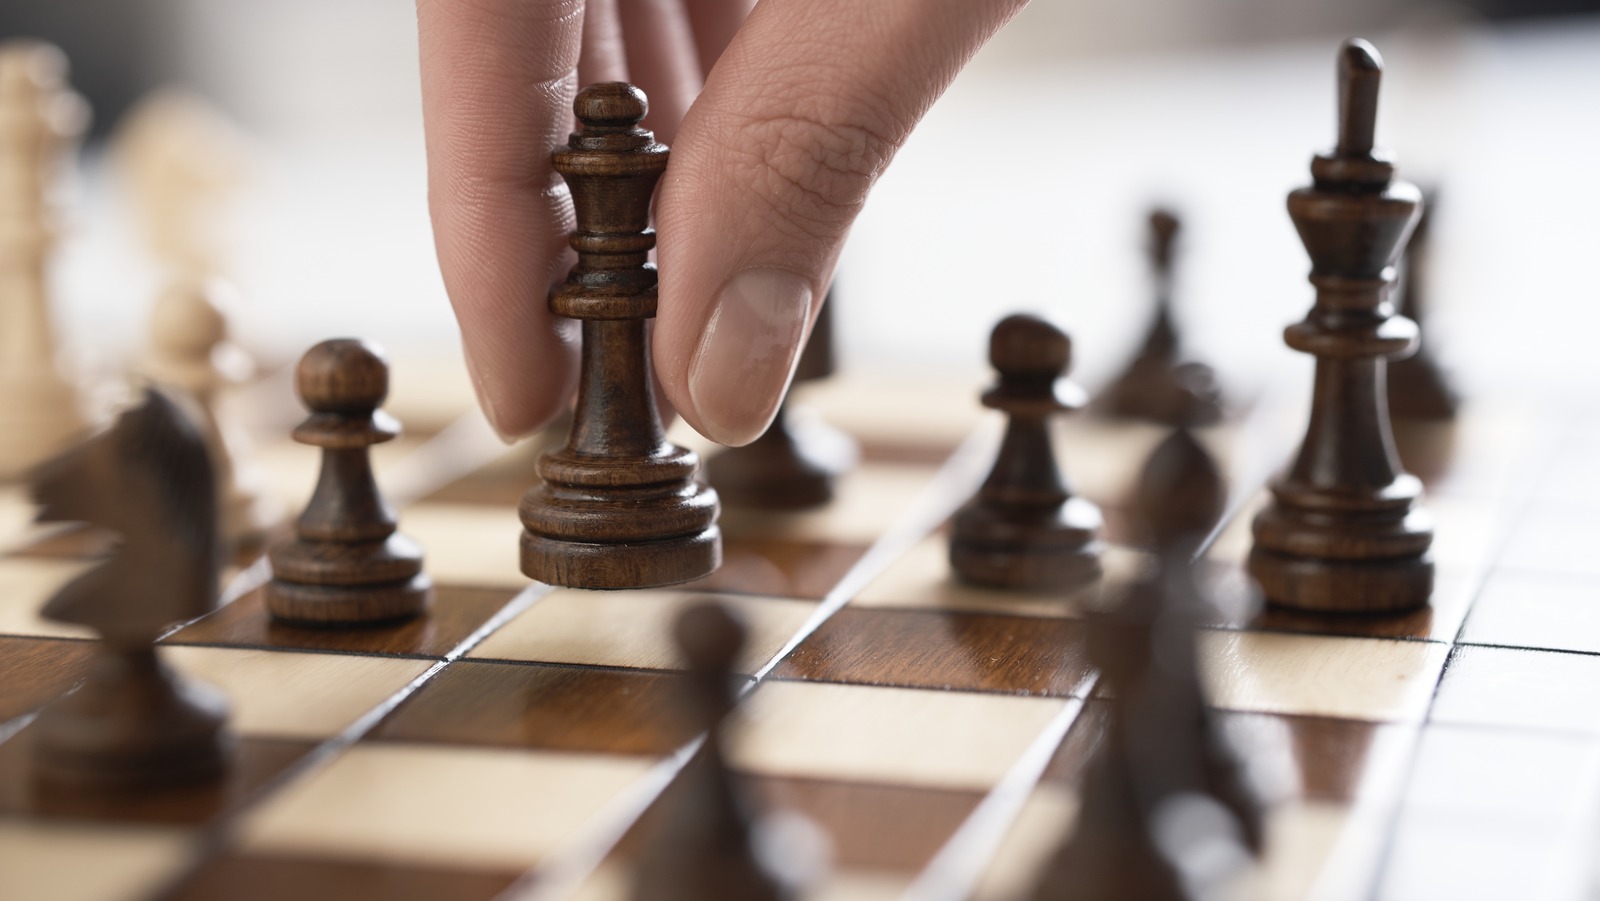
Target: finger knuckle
{"x": 815, "y": 167}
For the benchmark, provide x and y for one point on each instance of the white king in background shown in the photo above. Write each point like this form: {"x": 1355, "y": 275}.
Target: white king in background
{"x": 41, "y": 119}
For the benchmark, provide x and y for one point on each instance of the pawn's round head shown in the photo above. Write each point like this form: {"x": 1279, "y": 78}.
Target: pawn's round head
{"x": 710, "y": 637}
{"x": 611, "y": 105}
{"x": 343, "y": 375}
{"x": 1028, "y": 347}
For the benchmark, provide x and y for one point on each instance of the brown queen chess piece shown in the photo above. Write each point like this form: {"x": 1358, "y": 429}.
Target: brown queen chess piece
{"x": 1346, "y": 531}
{"x": 619, "y": 506}
{"x": 135, "y": 724}
{"x": 1024, "y": 529}
{"x": 347, "y": 566}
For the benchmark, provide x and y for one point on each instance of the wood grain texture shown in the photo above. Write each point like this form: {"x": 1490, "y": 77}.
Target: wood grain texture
{"x": 959, "y": 651}
{"x": 35, "y": 671}
{"x": 456, "y": 614}
{"x": 1346, "y": 531}
{"x": 347, "y": 565}
{"x": 251, "y": 877}
{"x": 878, "y": 827}
{"x": 619, "y": 506}
{"x": 564, "y": 708}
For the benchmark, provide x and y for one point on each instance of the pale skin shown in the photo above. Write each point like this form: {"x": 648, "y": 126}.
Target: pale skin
{"x": 780, "y": 120}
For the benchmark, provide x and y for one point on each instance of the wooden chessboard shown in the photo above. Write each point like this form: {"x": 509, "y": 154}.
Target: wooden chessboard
{"x": 508, "y": 744}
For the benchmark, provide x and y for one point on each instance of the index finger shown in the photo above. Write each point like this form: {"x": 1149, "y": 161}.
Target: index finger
{"x": 498, "y": 79}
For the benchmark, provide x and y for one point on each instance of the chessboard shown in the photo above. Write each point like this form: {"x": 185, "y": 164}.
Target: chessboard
{"x": 514, "y": 742}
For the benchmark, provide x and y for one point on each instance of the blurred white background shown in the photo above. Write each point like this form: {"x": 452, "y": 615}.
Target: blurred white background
{"x": 1026, "y": 187}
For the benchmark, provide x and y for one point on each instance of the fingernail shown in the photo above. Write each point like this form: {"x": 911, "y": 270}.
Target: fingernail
{"x": 748, "y": 352}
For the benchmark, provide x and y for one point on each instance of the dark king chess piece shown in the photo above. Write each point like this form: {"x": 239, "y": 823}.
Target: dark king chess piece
{"x": 1156, "y": 386}
{"x": 347, "y": 566}
{"x": 1345, "y": 530}
{"x": 797, "y": 462}
{"x": 1025, "y": 529}
{"x": 135, "y": 724}
{"x": 619, "y": 506}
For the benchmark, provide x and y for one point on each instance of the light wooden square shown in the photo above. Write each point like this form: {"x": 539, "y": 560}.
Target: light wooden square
{"x": 1317, "y": 675}
{"x": 1524, "y": 689}
{"x": 16, "y": 515}
{"x": 937, "y": 409}
{"x": 634, "y": 628}
{"x": 62, "y": 862}
{"x": 921, "y": 578}
{"x": 446, "y": 806}
{"x": 870, "y": 499}
{"x": 468, "y": 544}
{"x": 295, "y": 695}
{"x": 894, "y": 736}
{"x": 26, "y": 585}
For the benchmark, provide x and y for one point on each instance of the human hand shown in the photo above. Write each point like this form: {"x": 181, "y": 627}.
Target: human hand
{"x": 774, "y": 149}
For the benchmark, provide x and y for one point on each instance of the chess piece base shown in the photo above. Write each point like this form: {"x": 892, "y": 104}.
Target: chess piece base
{"x": 1343, "y": 586}
{"x": 1031, "y": 550}
{"x": 134, "y": 725}
{"x": 608, "y": 567}
{"x": 795, "y": 465}
{"x": 301, "y": 604}
{"x": 1156, "y": 390}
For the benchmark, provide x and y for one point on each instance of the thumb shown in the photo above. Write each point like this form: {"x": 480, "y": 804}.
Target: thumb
{"x": 771, "y": 165}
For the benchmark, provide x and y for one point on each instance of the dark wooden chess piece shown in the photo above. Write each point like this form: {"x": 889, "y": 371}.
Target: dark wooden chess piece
{"x": 1156, "y": 386}
{"x": 796, "y": 463}
{"x": 1418, "y": 388}
{"x": 619, "y": 506}
{"x": 1163, "y": 749}
{"x": 1346, "y": 530}
{"x": 347, "y": 566}
{"x": 703, "y": 848}
{"x": 135, "y": 724}
{"x": 1025, "y": 529}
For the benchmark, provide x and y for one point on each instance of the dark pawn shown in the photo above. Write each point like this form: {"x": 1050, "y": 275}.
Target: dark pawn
{"x": 1024, "y": 529}
{"x": 347, "y": 566}
{"x": 1418, "y": 388}
{"x": 619, "y": 506}
{"x": 135, "y": 724}
{"x": 1156, "y": 386}
{"x": 796, "y": 463}
{"x": 1162, "y": 748}
{"x": 703, "y": 848}
{"x": 1346, "y": 531}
